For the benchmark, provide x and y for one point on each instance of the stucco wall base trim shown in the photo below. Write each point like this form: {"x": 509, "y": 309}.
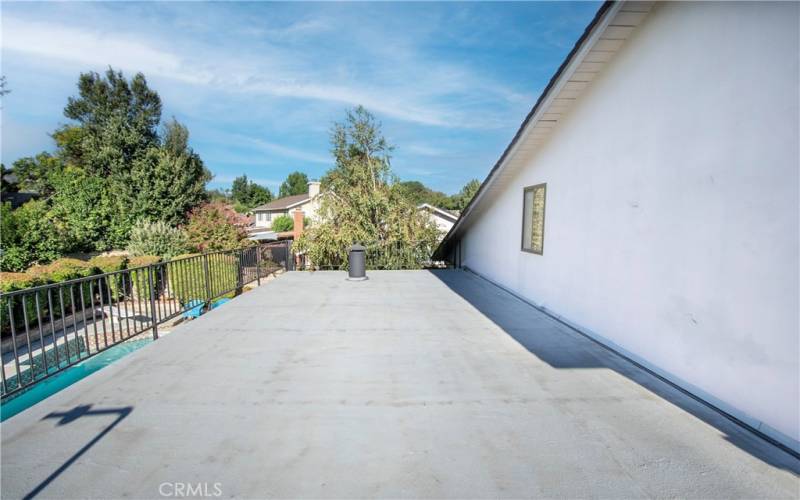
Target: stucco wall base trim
{"x": 757, "y": 427}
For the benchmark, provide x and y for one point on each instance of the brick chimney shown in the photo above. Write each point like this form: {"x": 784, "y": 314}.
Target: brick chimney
{"x": 299, "y": 217}
{"x": 313, "y": 188}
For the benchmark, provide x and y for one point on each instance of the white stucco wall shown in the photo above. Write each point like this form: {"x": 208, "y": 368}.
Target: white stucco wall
{"x": 309, "y": 208}
{"x": 260, "y": 217}
{"x": 672, "y": 208}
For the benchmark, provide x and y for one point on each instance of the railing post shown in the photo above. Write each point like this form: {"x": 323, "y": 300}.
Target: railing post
{"x": 153, "y": 315}
{"x": 290, "y": 262}
{"x": 239, "y": 271}
{"x": 207, "y": 277}
{"x": 258, "y": 264}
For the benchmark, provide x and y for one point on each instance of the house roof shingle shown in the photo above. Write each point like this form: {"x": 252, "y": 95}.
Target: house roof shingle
{"x": 283, "y": 203}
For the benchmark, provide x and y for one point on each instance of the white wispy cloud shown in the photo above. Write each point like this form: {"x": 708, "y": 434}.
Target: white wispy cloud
{"x": 55, "y": 42}
{"x": 279, "y": 149}
{"x": 259, "y": 84}
{"x": 281, "y": 73}
{"x": 425, "y": 150}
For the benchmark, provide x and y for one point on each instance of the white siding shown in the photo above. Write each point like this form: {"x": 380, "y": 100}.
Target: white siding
{"x": 443, "y": 224}
{"x": 672, "y": 219}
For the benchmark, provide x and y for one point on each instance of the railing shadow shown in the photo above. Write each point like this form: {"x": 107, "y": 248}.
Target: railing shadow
{"x": 69, "y": 417}
{"x": 565, "y": 348}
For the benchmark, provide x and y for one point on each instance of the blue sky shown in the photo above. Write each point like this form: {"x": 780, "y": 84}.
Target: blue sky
{"x": 259, "y": 84}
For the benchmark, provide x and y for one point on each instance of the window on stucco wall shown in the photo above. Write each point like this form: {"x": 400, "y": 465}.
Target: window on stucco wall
{"x": 533, "y": 201}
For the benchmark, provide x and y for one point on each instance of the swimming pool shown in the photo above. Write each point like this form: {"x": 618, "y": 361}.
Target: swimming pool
{"x": 54, "y": 384}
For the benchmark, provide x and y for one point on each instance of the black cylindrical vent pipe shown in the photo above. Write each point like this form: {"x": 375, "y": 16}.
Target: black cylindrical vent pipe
{"x": 357, "y": 263}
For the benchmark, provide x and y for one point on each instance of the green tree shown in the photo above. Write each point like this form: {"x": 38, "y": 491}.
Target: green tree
{"x": 113, "y": 140}
{"x": 462, "y": 199}
{"x": 112, "y": 166}
{"x": 362, "y": 205}
{"x": 115, "y": 137}
{"x": 35, "y": 173}
{"x": 110, "y": 109}
{"x": 247, "y": 194}
{"x": 170, "y": 179}
{"x": 259, "y": 194}
{"x": 240, "y": 189}
{"x": 295, "y": 183}
{"x": 80, "y": 205}
{"x": 418, "y": 193}
{"x": 30, "y": 235}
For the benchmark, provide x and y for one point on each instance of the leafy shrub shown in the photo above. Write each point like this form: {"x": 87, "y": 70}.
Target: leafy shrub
{"x": 139, "y": 286}
{"x": 30, "y": 235}
{"x": 62, "y": 270}
{"x": 115, "y": 283}
{"x": 81, "y": 205}
{"x": 216, "y": 226}
{"x": 156, "y": 238}
{"x": 61, "y": 298}
{"x": 10, "y": 282}
{"x": 282, "y": 223}
{"x": 143, "y": 260}
{"x": 17, "y": 281}
{"x": 109, "y": 263}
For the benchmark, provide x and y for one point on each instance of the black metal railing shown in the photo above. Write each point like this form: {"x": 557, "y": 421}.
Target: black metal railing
{"x": 48, "y": 328}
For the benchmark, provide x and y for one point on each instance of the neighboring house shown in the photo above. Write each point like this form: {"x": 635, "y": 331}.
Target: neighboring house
{"x": 19, "y": 198}
{"x": 650, "y": 199}
{"x": 443, "y": 219}
{"x": 308, "y": 203}
{"x": 10, "y": 192}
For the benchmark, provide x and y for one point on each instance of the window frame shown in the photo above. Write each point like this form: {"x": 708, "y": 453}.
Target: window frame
{"x": 544, "y": 212}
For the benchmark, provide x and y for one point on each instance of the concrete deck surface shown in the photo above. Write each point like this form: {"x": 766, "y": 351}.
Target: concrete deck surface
{"x": 413, "y": 384}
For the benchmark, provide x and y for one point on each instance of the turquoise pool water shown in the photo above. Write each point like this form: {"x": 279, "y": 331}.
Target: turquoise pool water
{"x": 47, "y": 388}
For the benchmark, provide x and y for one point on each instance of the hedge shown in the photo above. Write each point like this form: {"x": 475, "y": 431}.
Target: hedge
{"x": 186, "y": 276}
{"x": 55, "y": 272}
{"x": 114, "y": 286}
{"x": 224, "y": 274}
{"x": 139, "y": 285}
{"x": 183, "y": 278}
{"x": 69, "y": 269}
{"x": 62, "y": 270}
{"x": 109, "y": 263}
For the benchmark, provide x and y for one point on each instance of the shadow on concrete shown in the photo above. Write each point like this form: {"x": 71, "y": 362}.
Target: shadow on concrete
{"x": 69, "y": 417}
{"x": 567, "y": 348}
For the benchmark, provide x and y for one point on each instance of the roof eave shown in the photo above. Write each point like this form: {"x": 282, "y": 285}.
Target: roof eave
{"x": 590, "y": 35}
{"x": 264, "y": 208}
